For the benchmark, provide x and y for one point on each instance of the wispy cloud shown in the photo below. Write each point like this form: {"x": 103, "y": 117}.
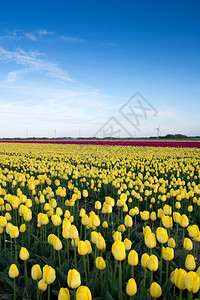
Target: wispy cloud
{"x": 32, "y": 61}
{"x": 35, "y": 35}
{"x": 70, "y": 39}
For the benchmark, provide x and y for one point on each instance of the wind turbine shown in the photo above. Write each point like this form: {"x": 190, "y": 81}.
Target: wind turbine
{"x": 158, "y": 130}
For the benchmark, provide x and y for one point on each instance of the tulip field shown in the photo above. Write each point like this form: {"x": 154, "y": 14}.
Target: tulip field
{"x": 81, "y": 221}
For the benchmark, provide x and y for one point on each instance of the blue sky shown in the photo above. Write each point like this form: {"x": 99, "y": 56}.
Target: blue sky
{"x": 71, "y": 66}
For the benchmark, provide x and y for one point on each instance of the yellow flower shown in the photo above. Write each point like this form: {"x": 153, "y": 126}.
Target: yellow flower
{"x": 105, "y": 224}
{"x": 190, "y": 262}
{"x": 144, "y": 215}
{"x": 89, "y": 247}
{"x": 42, "y": 286}
{"x": 144, "y": 260}
{"x": 56, "y": 220}
{"x": 94, "y": 237}
{"x": 100, "y": 263}
{"x": 117, "y": 236}
{"x": 178, "y": 278}
{"x": 152, "y": 263}
{"x": 131, "y": 287}
{"x": 82, "y": 248}
{"x": 83, "y": 292}
{"x": 167, "y": 253}
{"x": 23, "y": 254}
{"x": 187, "y": 244}
{"x": 167, "y": 209}
{"x": 150, "y": 240}
{"x": 49, "y": 274}
{"x": 100, "y": 243}
{"x": 184, "y": 221}
{"x": 146, "y": 229}
{"x": 85, "y": 193}
{"x": 73, "y": 232}
{"x": 192, "y": 282}
{"x": 13, "y": 271}
{"x": 57, "y": 244}
{"x": 128, "y": 221}
{"x": 153, "y": 216}
{"x": 171, "y": 243}
{"x": 118, "y": 250}
{"x": 73, "y": 279}
{"x": 22, "y": 228}
{"x": 14, "y": 232}
{"x": 155, "y": 290}
{"x": 161, "y": 234}
{"x": 64, "y": 294}
{"x": 36, "y": 272}
{"x": 98, "y": 205}
{"x": 133, "y": 258}
{"x": 127, "y": 244}
{"x": 177, "y": 217}
{"x": 167, "y": 221}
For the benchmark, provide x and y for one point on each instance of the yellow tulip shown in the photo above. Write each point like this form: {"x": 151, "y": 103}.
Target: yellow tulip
{"x": 100, "y": 243}
{"x": 117, "y": 236}
{"x": 49, "y": 274}
{"x": 171, "y": 243}
{"x": 133, "y": 258}
{"x": 192, "y": 282}
{"x": 150, "y": 240}
{"x": 83, "y": 292}
{"x": 85, "y": 193}
{"x": 57, "y": 244}
{"x": 13, "y": 271}
{"x": 73, "y": 279}
{"x": 105, "y": 224}
{"x": 152, "y": 263}
{"x": 167, "y": 253}
{"x": 155, "y": 290}
{"x": 118, "y": 250}
{"x": 82, "y": 248}
{"x": 167, "y": 221}
{"x": 144, "y": 215}
{"x": 89, "y": 247}
{"x": 184, "y": 221}
{"x": 162, "y": 235}
{"x": 64, "y": 294}
{"x": 131, "y": 287}
{"x": 127, "y": 244}
{"x": 128, "y": 221}
{"x": 36, "y": 272}
{"x": 100, "y": 263}
{"x": 187, "y": 244}
{"x": 42, "y": 285}
{"x": 56, "y": 220}
{"x": 190, "y": 262}
{"x": 144, "y": 259}
{"x": 23, "y": 254}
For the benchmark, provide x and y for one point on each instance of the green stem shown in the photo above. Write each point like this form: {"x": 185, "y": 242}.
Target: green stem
{"x": 132, "y": 271}
{"x": 167, "y": 270}
{"x": 180, "y": 295}
{"x": 161, "y": 265}
{"x": 49, "y": 292}
{"x": 190, "y": 295}
{"x": 145, "y": 272}
{"x": 15, "y": 292}
{"x": 59, "y": 261}
{"x": 38, "y": 294}
{"x": 120, "y": 280}
{"x": 26, "y": 277}
{"x": 101, "y": 275}
{"x": 86, "y": 279}
{"x": 15, "y": 251}
{"x": 75, "y": 262}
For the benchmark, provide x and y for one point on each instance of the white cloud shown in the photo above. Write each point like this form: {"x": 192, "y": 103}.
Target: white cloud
{"x": 32, "y": 61}
{"x": 70, "y": 39}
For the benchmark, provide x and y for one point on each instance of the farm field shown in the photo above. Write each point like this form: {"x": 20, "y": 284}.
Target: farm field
{"x": 92, "y": 221}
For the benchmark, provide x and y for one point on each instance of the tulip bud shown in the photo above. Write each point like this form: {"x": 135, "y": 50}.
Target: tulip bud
{"x": 49, "y": 274}
{"x": 128, "y": 221}
{"x": 73, "y": 232}
{"x": 190, "y": 262}
{"x": 150, "y": 240}
{"x": 94, "y": 237}
{"x": 187, "y": 244}
{"x": 23, "y": 254}
{"x": 144, "y": 215}
{"x": 117, "y": 236}
{"x": 85, "y": 193}
{"x": 73, "y": 279}
{"x": 57, "y": 244}
{"x": 179, "y": 278}
{"x": 105, "y": 224}
{"x": 89, "y": 247}
{"x": 97, "y": 205}
{"x": 100, "y": 243}
{"x": 22, "y": 228}
{"x": 161, "y": 234}
{"x": 146, "y": 229}
{"x": 192, "y": 282}
{"x": 133, "y": 258}
{"x": 144, "y": 260}
{"x": 36, "y": 272}
{"x": 167, "y": 222}
{"x": 131, "y": 287}
{"x": 83, "y": 292}
{"x": 42, "y": 286}
{"x": 167, "y": 253}
{"x": 64, "y": 294}
{"x": 153, "y": 216}
{"x": 127, "y": 244}
{"x": 100, "y": 263}
{"x": 152, "y": 263}
{"x": 118, "y": 250}
{"x": 155, "y": 290}
{"x": 82, "y": 248}
{"x": 177, "y": 217}
{"x": 184, "y": 221}
{"x": 13, "y": 271}
{"x": 56, "y": 220}
{"x": 171, "y": 243}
